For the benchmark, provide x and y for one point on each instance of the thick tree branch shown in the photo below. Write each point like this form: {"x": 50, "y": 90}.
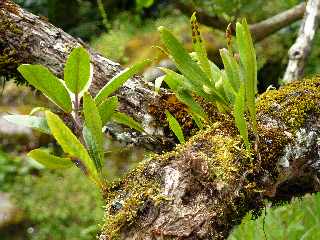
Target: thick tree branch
{"x": 26, "y": 38}
{"x": 300, "y": 50}
{"x": 203, "y": 188}
{"x": 259, "y": 30}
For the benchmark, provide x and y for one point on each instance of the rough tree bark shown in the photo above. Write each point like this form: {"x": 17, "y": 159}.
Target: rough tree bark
{"x": 259, "y": 30}
{"x": 26, "y": 38}
{"x": 300, "y": 50}
{"x": 201, "y": 189}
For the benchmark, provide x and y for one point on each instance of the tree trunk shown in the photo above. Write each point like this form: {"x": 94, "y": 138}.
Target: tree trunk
{"x": 203, "y": 188}
{"x": 300, "y": 50}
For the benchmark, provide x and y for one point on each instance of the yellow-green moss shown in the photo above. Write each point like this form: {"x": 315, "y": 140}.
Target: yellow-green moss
{"x": 292, "y": 103}
{"x": 126, "y": 197}
{"x": 223, "y": 153}
{"x": 10, "y": 57}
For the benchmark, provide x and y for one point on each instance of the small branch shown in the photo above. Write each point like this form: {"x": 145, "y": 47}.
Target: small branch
{"x": 300, "y": 50}
{"x": 273, "y": 24}
{"x": 259, "y": 30}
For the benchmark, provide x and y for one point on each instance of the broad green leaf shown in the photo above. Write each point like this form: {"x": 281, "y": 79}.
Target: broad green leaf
{"x": 52, "y": 87}
{"x": 249, "y": 64}
{"x": 232, "y": 69}
{"x": 77, "y": 70}
{"x": 193, "y": 106}
{"x": 127, "y": 120}
{"x": 239, "y": 115}
{"x": 188, "y": 67}
{"x": 107, "y": 108}
{"x": 49, "y": 160}
{"x": 37, "y": 123}
{"x": 92, "y": 131}
{"x": 70, "y": 144}
{"x": 199, "y": 47}
{"x": 175, "y": 127}
{"x": 118, "y": 80}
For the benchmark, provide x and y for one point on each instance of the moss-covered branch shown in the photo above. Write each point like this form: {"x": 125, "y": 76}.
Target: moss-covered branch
{"x": 204, "y": 187}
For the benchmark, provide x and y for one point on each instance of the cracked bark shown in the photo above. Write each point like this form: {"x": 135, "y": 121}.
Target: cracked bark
{"x": 203, "y": 188}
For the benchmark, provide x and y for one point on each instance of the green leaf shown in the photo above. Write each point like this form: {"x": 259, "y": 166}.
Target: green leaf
{"x": 175, "y": 80}
{"x": 183, "y": 60}
{"x": 188, "y": 67}
{"x": 70, "y": 144}
{"x": 52, "y": 87}
{"x": 232, "y": 69}
{"x": 198, "y": 121}
{"x": 37, "y": 109}
{"x": 239, "y": 115}
{"x": 107, "y": 108}
{"x": 157, "y": 83}
{"x": 118, "y": 80}
{"x": 144, "y": 3}
{"x": 127, "y": 120}
{"x": 175, "y": 127}
{"x": 92, "y": 131}
{"x": 37, "y": 123}
{"x": 199, "y": 47}
{"x": 230, "y": 93}
{"x": 77, "y": 70}
{"x": 193, "y": 106}
{"x": 48, "y": 160}
{"x": 249, "y": 64}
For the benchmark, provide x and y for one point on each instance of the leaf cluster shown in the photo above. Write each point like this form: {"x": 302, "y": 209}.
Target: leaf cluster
{"x": 231, "y": 89}
{"x": 84, "y": 145}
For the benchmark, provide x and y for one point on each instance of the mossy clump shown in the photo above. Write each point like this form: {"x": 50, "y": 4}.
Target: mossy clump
{"x": 293, "y": 103}
{"x": 10, "y": 57}
{"x": 223, "y": 154}
{"x": 128, "y": 198}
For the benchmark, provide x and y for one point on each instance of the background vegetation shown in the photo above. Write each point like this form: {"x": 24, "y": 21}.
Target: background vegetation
{"x": 65, "y": 205}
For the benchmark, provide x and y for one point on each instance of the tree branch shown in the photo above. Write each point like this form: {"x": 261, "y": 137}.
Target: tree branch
{"x": 26, "y": 38}
{"x": 300, "y": 50}
{"x": 259, "y": 30}
{"x": 203, "y": 188}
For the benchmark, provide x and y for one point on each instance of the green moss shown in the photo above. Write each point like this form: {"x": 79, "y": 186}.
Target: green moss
{"x": 292, "y": 103}
{"x": 217, "y": 155}
{"x": 10, "y": 57}
{"x": 126, "y": 198}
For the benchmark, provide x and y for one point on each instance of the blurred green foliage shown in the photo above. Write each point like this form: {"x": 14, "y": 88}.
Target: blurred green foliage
{"x": 62, "y": 205}
{"x": 298, "y": 220}
{"x": 253, "y": 10}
